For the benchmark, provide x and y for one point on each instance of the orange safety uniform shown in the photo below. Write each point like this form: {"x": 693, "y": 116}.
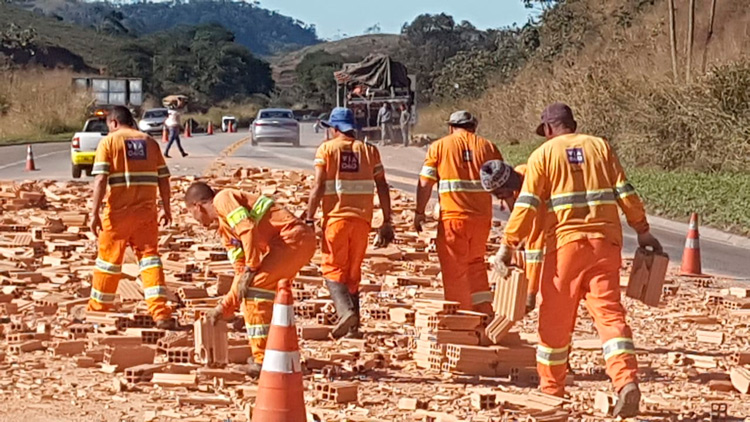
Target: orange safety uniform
{"x": 133, "y": 162}
{"x": 581, "y": 181}
{"x": 454, "y": 162}
{"x": 351, "y": 167}
{"x": 269, "y": 240}
{"x": 534, "y": 248}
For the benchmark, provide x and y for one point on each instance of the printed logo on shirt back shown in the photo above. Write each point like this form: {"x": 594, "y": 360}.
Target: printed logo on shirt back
{"x": 349, "y": 162}
{"x": 136, "y": 149}
{"x": 575, "y": 155}
{"x": 467, "y": 155}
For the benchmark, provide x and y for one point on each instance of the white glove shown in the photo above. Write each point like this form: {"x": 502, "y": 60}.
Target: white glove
{"x": 502, "y": 258}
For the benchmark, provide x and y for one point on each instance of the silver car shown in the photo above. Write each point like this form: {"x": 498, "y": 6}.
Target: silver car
{"x": 153, "y": 120}
{"x": 276, "y": 125}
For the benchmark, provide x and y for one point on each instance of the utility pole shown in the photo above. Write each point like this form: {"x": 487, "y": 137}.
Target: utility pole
{"x": 708, "y": 36}
{"x": 673, "y": 40}
{"x": 691, "y": 38}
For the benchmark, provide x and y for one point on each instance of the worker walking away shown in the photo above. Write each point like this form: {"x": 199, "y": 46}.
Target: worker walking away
{"x": 405, "y": 123}
{"x": 581, "y": 179}
{"x": 131, "y": 164}
{"x": 174, "y": 125}
{"x": 265, "y": 243}
{"x": 347, "y": 171}
{"x": 385, "y": 117}
{"x": 505, "y": 182}
{"x": 454, "y": 163}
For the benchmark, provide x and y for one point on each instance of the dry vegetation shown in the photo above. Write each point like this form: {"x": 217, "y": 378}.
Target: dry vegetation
{"x": 35, "y": 104}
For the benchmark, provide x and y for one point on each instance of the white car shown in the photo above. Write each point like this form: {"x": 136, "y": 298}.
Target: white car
{"x": 276, "y": 125}
{"x": 153, "y": 120}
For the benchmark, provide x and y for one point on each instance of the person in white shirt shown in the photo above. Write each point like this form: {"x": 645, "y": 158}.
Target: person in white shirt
{"x": 173, "y": 124}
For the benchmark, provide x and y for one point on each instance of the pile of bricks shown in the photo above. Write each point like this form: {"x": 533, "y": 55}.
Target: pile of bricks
{"x": 421, "y": 358}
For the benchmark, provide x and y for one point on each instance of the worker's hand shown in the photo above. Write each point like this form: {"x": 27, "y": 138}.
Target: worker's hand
{"x": 385, "y": 235}
{"x": 165, "y": 217}
{"x": 502, "y": 259}
{"x": 530, "y": 302}
{"x": 244, "y": 283}
{"x": 96, "y": 224}
{"x": 646, "y": 240}
{"x": 215, "y": 315}
{"x": 419, "y": 219}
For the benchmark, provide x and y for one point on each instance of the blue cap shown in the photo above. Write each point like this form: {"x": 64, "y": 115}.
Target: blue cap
{"x": 342, "y": 119}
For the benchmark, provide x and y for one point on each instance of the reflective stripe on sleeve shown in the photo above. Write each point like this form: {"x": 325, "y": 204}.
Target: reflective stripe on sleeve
{"x": 261, "y": 207}
{"x": 378, "y": 169}
{"x": 235, "y": 254}
{"x": 235, "y": 217}
{"x": 150, "y": 262}
{"x": 582, "y": 199}
{"x": 101, "y": 167}
{"x": 624, "y": 189}
{"x": 618, "y": 346}
{"x": 107, "y": 267}
{"x": 101, "y": 297}
{"x": 429, "y": 172}
{"x": 154, "y": 292}
{"x": 527, "y": 200}
{"x": 534, "y": 255}
{"x": 350, "y": 187}
{"x": 260, "y": 295}
{"x": 552, "y": 356}
{"x": 457, "y": 185}
{"x": 481, "y": 297}
{"x": 320, "y": 162}
{"x": 163, "y": 171}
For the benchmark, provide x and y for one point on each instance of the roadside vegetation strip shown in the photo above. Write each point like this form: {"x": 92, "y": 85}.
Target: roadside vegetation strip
{"x": 720, "y": 198}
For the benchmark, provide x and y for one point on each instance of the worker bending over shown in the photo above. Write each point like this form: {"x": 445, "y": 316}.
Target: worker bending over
{"x": 131, "y": 164}
{"x": 505, "y": 182}
{"x": 580, "y": 179}
{"x": 347, "y": 171}
{"x": 454, "y": 163}
{"x": 265, "y": 244}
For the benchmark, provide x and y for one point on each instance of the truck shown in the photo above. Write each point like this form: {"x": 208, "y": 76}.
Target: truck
{"x": 84, "y": 143}
{"x": 108, "y": 92}
{"x": 365, "y": 86}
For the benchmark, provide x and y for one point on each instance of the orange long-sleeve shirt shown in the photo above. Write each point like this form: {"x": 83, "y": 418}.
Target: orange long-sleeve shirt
{"x": 581, "y": 181}
{"x": 454, "y": 162}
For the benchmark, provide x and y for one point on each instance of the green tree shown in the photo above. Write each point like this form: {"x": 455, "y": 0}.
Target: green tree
{"x": 315, "y": 77}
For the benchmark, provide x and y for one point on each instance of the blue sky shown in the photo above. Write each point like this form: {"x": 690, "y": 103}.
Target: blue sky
{"x": 335, "y": 18}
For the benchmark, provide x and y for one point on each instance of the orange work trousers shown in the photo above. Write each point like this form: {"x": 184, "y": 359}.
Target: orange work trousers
{"x": 461, "y": 247}
{"x": 586, "y": 269}
{"x": 139, "y": 231}
{"x": 344, "y": 248}
{"x": 287, "y": 253}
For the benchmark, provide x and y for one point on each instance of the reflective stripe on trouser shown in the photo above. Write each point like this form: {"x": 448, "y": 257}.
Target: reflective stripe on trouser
{"x": 461, "y": 246}
{"x": 140, "y": 231}
{"x": 586, "y": 269}
{"x": 287, "y": 253}
{"x": 344, "y": 247}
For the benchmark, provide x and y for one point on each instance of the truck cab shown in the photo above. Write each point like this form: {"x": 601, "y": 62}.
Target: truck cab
{"x": 84, "y": 143}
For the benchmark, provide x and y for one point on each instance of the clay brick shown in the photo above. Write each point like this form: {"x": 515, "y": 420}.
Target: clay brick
{"x": 647, "y": 276}
{"x": 498, "y": 328}
{"x": 510, "y": 294}
{"x": 238, "y": 354}
{"x": 224, "y": 374}
{"x": 710, "y": 337}
{"x": 483, "y": 400}
{"x": 604, "y": 403}
{"x": 28, "y": 346}
{"x": 127, "y": 356}
{"x": 377, "y": 314}
{"x": 313, "y": 332}
{"x": 173, "y": 339}
{"x": 142, "y": 373}
{"x": 181, "y": 355}
{"x": 402, "y": 315}
{"x": 436, "y": 307}
{"x": 174, "y": 380}
{"x": 740, "y": 379}
{"x": 69, "y": 348}
{"x": 740, "y": 358}
{"x": 337, "y": 392}
{"x": 210, "y": 342}
{"x": 192, "y": 293}
{"x": 85, "y": 362}
{"x": 405, "y": 403}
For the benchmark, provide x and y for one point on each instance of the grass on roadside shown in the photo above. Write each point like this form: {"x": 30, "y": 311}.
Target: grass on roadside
{"x": 37, "y": 139}
{"x": 719, "y": 198}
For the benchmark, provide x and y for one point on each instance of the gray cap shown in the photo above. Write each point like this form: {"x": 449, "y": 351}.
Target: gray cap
{"x": 555, "y": 114}
{"x": 495, "y": 174}
{"x": 461, "y": 117}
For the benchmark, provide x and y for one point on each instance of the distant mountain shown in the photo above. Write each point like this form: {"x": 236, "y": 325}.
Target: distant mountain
{"x": 262, "y": 31}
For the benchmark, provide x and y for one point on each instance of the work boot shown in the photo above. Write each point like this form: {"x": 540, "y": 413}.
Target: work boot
{"x": 166, "y": 324}
{"x": 354, "y": 331}
{"x": 344, "y": 304}
{"x": 252, "y": 369}
{"x": 628, "y": 402}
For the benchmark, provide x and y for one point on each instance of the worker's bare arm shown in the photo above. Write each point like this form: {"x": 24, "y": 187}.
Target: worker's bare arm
{"x": 317, "y": 193}
{"x": 164, "y": 192}
{"x": 100, "y": 188}
{"x": 384, "y": 196}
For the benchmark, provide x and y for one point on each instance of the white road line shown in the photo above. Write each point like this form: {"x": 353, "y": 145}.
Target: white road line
{"x": 5, "y": 166}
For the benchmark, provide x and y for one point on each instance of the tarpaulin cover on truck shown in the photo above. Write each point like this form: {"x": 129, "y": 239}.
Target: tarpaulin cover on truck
{"x": 376, "y": 71}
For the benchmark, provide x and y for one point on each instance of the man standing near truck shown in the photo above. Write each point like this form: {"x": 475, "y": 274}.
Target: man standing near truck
{"x": 454, "y": 163}
{"x": 131, "y": 164}
{"x": 385, "y": 117}
{"x": 405, "y": 123}
{"x": 580, "y": 179}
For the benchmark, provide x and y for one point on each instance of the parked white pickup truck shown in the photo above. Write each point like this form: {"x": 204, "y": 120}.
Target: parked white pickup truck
{"x": 84, "y": 143}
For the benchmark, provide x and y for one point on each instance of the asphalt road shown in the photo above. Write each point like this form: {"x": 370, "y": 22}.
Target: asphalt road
{"x": 402, "y": 169}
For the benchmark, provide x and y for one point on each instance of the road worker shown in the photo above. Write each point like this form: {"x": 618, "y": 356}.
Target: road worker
{"x": 265, "y": 244}
{"x": 347, "y": 171}
{"x": 131, "y": 164}
{"x": 580, "y": 179}
{"x": 504, "y": 182}
{"x": 454, "y": 163}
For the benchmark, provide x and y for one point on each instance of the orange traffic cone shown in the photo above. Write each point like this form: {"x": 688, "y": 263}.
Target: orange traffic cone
{"x": 691, "y": 256}
{"x": 164, "y": 135}
{"x": 210, "y": 130}
{"x": 29, "y": 159}
{"x": 188, "y": 133}
{"x": 280, "y": 391}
